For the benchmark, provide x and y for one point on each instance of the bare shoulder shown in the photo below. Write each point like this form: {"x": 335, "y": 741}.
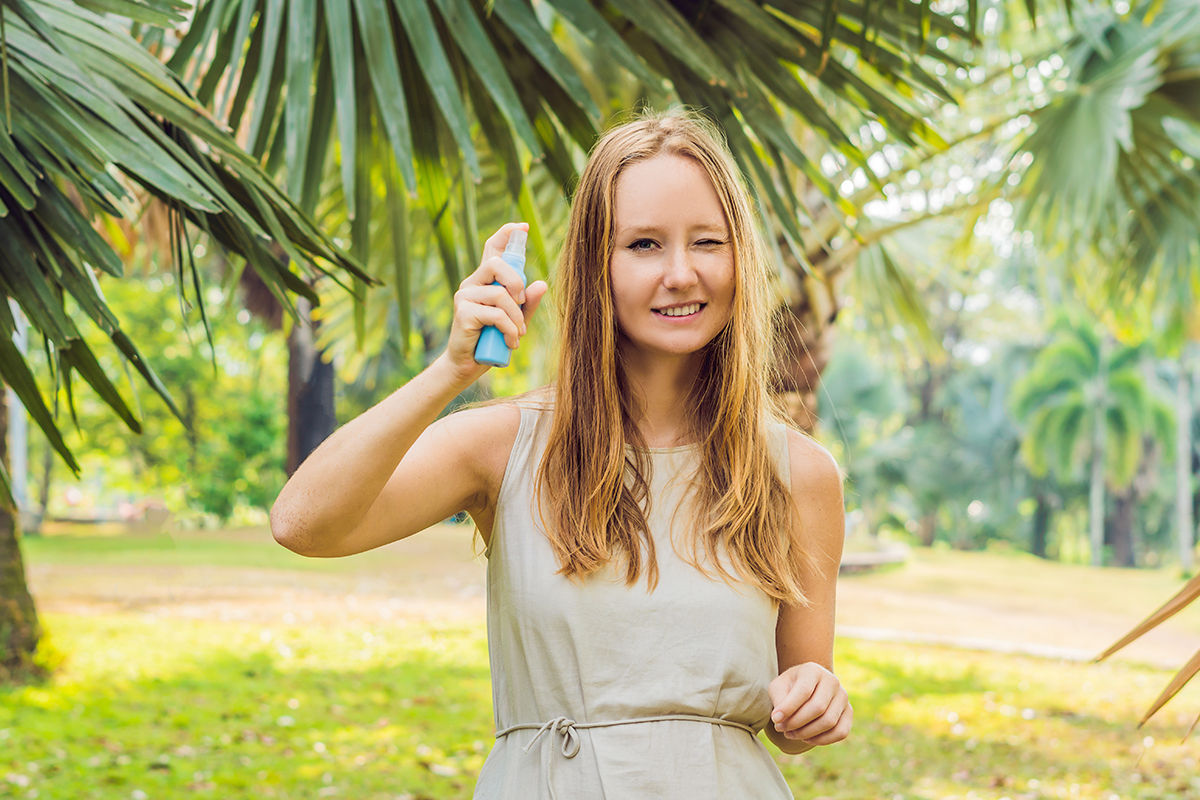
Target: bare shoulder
{"x": 814, "y": 469}
{"x": 817, "y": 490}
{"x": 485, "y": 433}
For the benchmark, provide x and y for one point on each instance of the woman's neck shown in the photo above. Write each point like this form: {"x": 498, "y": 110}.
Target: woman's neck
{"x": 661, "y": 389}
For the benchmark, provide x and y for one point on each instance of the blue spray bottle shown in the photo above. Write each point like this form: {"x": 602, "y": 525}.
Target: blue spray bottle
{"x": 491, "y": 349}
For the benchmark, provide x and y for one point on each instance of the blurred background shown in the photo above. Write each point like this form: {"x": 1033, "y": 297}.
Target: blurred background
{"x": 227, "y": 228}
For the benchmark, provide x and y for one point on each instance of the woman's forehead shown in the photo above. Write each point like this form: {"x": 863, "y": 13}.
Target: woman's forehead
{"x": 667, "y": 191}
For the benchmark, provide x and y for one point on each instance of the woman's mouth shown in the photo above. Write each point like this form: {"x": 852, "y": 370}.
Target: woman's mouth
{"x": 680, "y": 311}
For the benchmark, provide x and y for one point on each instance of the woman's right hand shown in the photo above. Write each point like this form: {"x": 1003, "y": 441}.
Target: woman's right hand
{"x": 478, "y": 303}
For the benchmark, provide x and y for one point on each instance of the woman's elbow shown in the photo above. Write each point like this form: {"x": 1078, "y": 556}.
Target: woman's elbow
{"x": 287, "y": 532}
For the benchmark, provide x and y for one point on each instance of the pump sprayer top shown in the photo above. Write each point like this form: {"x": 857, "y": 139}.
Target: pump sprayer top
{"x": 516, "y": 246}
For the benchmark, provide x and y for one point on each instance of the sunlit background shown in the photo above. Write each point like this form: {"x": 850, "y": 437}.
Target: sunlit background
{"x": 985, "y": 221}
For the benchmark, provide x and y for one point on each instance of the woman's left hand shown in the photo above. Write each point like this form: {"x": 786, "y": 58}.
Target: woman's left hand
{"x": 810, "y": 705}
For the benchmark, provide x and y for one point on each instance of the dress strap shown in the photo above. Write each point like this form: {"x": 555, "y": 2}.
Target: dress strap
{"x": 567, "y": 727}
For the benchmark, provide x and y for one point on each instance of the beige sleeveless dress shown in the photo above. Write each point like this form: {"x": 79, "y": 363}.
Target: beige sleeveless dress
{"x": 582, "y": 676}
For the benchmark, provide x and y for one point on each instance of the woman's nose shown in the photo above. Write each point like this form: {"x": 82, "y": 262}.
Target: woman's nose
{"x": 679, "y": 271}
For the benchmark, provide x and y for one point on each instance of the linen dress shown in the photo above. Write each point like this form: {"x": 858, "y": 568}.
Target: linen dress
{"x": 580, "y": 669}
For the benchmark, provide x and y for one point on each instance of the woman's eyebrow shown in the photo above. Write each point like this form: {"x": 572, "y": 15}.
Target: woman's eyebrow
{"x": 646, "y": 230}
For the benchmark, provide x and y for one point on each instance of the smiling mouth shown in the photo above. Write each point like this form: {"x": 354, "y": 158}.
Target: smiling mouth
{"x": 680, "y": 311}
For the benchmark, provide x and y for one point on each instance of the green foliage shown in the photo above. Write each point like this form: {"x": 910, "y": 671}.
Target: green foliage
{"x": 231, "y": 454}
{"x": 1114, "y": 156}
{"x": 90, "y": 115}
{"x": 1072, "y": 379}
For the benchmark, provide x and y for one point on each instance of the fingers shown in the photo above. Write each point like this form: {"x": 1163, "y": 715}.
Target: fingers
{"x": 810, "y": 705}
{"x": 495, "y": 244}
{"x": 492, "y": 296}
{"x": 497, "y": 298}
{"x": 495, "y": 270}
{"x": 828, "y": 718}
{"x": 475, "y": 308}
{"x": 790, "y": 691}
{"x": 533, "y": 298}
{"x": 839, "y": 731}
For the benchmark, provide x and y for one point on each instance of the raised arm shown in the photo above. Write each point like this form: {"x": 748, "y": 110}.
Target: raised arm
{"x": 810, "y": 707}
{"x": 389, "y": 472}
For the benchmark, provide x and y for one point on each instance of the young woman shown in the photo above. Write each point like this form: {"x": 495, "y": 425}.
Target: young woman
{"x": 662, "y": 548}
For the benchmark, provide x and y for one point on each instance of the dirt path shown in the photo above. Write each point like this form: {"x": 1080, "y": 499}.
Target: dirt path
{"x": 433, "y": 576}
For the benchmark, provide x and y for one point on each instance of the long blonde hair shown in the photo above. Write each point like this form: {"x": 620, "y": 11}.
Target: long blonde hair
{"x": 742, "y": 508}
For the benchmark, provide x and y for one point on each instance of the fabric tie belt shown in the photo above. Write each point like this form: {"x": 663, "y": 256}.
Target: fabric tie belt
{"x": 567, "y": 727}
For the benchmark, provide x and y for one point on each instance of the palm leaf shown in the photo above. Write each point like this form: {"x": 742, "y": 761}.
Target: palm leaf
{"x": 99, "y": 115}
{"x": 750, "y": 65}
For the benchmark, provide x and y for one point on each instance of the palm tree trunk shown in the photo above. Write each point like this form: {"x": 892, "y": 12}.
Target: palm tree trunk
{"x": 1041, "y": 526}
{"x": 1099, "y": 429}
{"x": 927, "y": 528}
{"x": 311, "y": 416}
{"x": 1096, "y": 493}
{"x": 1121, "y": 529}
{"x": 44, "y": 491}
{"x": 807, "y": 333}
{"x": 19, "y": 627}
{"x": 1183, "y": 464}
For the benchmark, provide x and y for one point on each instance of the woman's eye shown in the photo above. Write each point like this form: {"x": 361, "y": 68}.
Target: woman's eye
{"x": 710, "y": 243}
{"x": 642, "y": 244}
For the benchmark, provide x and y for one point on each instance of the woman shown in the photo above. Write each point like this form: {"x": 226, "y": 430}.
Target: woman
{"x": 662, "y": 549}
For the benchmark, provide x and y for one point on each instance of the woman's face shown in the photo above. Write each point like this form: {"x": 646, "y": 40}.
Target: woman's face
{"x": 672, "y": 266}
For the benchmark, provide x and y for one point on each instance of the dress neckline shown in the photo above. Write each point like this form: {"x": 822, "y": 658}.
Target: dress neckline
{"x": 679, "y": 448}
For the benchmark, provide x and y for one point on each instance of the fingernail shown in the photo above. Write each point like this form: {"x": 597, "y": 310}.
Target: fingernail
{"x": 521, "y": 297}
{"x": 778, "y": 715}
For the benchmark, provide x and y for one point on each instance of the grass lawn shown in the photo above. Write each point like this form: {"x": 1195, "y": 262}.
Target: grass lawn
{"x": 150, "y": 703}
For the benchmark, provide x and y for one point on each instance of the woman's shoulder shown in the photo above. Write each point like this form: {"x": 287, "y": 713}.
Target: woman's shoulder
{"x": 814, "y": 470}
{"x": 492, "y": 428}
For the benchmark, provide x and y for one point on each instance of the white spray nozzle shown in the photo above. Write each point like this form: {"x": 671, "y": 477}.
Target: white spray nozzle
{"x": 516, "y": 243}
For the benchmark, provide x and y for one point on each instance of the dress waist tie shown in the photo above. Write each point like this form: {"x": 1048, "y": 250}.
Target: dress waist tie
{"x": 566, "y": 727}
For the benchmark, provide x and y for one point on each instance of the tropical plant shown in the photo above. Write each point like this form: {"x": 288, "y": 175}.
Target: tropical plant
{"x": 1085, "y": 400}
{"x": 533, "y": 83}
{"x": 90, "y": 119}
{"x": 97, "y": 116}
{"x": 227, "y": 451}
{"x": 1114, "y": 183}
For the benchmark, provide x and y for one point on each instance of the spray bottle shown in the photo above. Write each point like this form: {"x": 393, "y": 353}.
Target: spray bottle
{"x": 491, "y": 349}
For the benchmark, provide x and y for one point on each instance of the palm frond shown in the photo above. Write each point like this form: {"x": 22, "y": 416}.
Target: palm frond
{"x": 96, "y": 116}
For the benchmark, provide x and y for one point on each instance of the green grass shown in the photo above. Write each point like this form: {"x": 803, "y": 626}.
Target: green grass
{"x": 168, "y": 707}
{"x": 176, "y": 550}
{"x": 158, "y": 708}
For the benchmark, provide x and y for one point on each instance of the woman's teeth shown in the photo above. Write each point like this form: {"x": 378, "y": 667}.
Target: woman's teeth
{"x": 680, "y": 311}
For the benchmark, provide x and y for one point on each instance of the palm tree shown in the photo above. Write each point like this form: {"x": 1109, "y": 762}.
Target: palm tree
{"x": 1085, "y": 399}
{"x": 1115, "y": 171}
{"x": 90, "y": 121}
{"x": 1115, "y": 163}
{"x": 1184, "y": 414}
{"x": 407, "y": 81}
{"x": 403, "y": 93}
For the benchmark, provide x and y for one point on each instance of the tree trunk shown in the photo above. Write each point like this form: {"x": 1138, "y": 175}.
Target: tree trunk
{"x": 1184, "y": 526}
{"x": 1120, "y": 528}
{"x": 1099, "y": 431}
{"x": 311, "y": 416}
{"x": 189, "y": 426}
{"x": 927, "y": 528}
{"x": 19, "y": 627}
{"x": 807, "y": 349}
{"x": 805, "y": 332}
{"x": 1041, "y": 526}
{"x": 44, "y": 484}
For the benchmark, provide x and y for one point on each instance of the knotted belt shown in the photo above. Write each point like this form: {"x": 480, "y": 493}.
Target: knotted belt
{"x": 567, "y": 727}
